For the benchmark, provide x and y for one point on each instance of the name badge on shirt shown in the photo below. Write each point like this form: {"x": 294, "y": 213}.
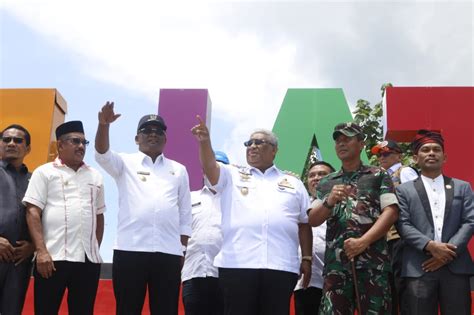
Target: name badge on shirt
{"x": 142, "y": 175}
{"x": 285, "y": 184}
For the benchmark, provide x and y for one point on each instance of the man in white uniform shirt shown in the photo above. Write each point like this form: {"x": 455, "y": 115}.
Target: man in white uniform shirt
{"x": 263, "y": 213}
{"x": 65, "y": 206}
{"x": 436, "y": 223}
{"x": 154, "y": 217}
{"x": 201, "y": 293}
{"x": 307, "y": 300}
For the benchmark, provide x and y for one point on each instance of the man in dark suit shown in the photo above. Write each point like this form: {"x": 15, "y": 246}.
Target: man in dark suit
{"x": 436, "y": 222}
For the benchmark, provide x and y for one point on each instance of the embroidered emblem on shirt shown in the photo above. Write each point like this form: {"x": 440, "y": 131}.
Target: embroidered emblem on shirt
{"x": 245, "y": 175}
{"x": 244, "y": 191}
{"x": 449, "y": 186}
{"x": 285, "y": 184}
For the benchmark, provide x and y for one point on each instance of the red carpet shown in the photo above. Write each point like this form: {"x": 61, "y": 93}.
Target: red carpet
{"x": 105, "y": 302}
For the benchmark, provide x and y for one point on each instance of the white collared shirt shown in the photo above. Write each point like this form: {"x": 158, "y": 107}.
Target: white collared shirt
{"x": 317, "y": 265}
{"x": 437, "y": 197}
{"x": 406, "y": 174}
{"x": 70, "y": 202}
{"x": 260, "y": 217}
{"x": 154, "y": 202}
{"x": 206, "y": 239}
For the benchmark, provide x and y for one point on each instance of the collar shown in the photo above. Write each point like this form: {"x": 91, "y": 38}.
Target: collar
{"x": 438, "y": 180}
{"x": 5, "y": 165}
{"x": 269, "y": 170}
{"x": 392, "y": 169}
{"x": 160, "y": 159}
{"x": 59, "y": 163}
{"x": 362, "y": 169}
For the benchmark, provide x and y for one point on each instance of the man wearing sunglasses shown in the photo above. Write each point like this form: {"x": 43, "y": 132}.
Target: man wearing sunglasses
{"x": 263, "y": 213}
{"x": 65, "y": 206}
{"x": 16, "y": 249}
{"x": 154, "y": 216}
{"x": 389, "y": 155}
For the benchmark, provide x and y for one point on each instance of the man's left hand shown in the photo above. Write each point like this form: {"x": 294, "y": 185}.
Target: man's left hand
{"x": 23, "y": 251}
{"x": 354, "y": 246}
{"x": 432, "y": 264}
{"x": 305, "y": 271}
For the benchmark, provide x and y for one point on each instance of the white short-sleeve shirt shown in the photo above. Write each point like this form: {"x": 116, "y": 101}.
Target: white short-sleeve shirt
{"x": 154, "y": 202}
{"x": 317, "y": 265}
{"x": 260, "y": 217}
{"x": 206, "y": 239}
{"x": 70, "y": 202}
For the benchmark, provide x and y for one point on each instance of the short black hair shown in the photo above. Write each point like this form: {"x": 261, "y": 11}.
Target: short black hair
{"x": 20, "y": 127}
{"x": 321, "y": 163}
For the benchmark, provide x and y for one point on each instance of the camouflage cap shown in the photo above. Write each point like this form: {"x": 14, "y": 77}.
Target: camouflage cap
{"x": 349, "y": 129}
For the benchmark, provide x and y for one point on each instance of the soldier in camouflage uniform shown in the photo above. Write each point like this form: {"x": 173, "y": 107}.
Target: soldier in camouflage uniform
{"x": 359, "y": 205}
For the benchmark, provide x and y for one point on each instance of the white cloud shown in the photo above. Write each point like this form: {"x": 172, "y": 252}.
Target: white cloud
{"x": 248, "y": 53}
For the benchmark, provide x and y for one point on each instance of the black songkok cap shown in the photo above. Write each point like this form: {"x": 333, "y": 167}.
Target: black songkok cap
{"x": 424, "y": 136}
{"x": 70, "y": 126}
{"x": 152, "y": 119}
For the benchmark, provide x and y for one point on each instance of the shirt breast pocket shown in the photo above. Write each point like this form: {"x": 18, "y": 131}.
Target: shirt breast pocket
{"x": 287, "y": 196}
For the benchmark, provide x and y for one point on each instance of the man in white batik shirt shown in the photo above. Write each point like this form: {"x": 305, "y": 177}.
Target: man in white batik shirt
{"x": 65, "y": 206}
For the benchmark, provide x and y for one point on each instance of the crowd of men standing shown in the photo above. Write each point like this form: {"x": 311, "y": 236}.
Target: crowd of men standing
{"x": 379, "y": 240}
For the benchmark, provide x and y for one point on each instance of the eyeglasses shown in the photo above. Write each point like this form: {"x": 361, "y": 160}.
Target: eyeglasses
{"x": 384, "y": 154}
{"x": 16, "y": 140}
{"x": 78, "y": 141}
{"x": 149, "y": 131}
{"x": 256, "y": 142}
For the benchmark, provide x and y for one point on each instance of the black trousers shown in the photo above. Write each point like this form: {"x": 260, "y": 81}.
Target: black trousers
{"x": 441, "y": 288}
{"x": 307, "y": 301}
{"x": 14, "y": 282}
{"x": 256, "y": 291}
{"x": 202, "y": 296}
{"x": 397, "y": 283}
{"x": 134, "y": 272}
{"x": 81, "y": 280}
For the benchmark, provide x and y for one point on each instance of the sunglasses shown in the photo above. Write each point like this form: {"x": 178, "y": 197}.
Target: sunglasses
{"x": 16, "y": 140}
{"x": 385, "y": 154}
{"x": 78, "y": 141}
{"x": 149, "y": 131}
{"x": 256, "y": 142}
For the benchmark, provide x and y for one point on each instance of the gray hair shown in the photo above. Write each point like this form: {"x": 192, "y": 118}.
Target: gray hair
{"x": 271, "y": 137}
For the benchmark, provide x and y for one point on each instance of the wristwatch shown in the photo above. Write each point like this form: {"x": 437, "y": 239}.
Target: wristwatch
{"x": 326, "y": 204}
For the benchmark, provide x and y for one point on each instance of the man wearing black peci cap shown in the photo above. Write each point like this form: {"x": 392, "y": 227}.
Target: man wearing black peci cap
{"x": 154, "y": 217}
{"x": 436, "y": 223}
{"x": 359, "y": 205}
{"x": 65, "y": 206}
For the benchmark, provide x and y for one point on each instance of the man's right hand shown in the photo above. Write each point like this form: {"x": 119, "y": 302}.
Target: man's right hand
{"x": 200, "y": 130}
{"x": 7, "y": 251}
{"x": 107, "y": 114}
{"x": 444, "y": 252}
{"x": 44, "y": 264}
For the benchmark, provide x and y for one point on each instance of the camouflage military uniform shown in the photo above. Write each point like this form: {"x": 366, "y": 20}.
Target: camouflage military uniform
{"x": 373, "y": 190}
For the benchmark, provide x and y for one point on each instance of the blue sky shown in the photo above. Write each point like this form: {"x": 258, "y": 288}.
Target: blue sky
{"x": 247, "y": 53}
